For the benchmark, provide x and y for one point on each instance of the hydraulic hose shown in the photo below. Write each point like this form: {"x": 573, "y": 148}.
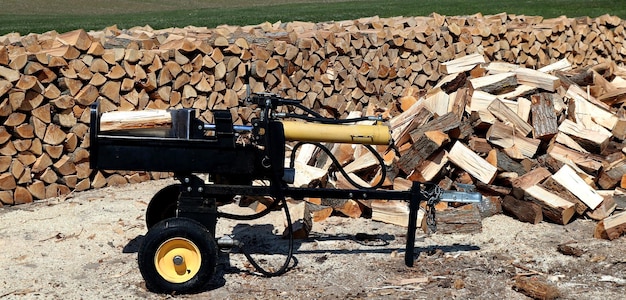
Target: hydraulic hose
{"x": 327, "y": 120}
{"x": 280, "y": 198}
{"x": 340, "y": 168}
{"x": 285, "y": 265}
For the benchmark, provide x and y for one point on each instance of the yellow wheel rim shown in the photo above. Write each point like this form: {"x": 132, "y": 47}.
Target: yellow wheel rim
{"x": 177, "y": 260}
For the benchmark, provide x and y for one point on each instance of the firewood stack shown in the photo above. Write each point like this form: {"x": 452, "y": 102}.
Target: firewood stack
{"x": 517, "y": 105}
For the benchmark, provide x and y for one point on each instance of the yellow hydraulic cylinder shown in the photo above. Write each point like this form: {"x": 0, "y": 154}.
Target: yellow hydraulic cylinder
{"x": 337, "y": 133}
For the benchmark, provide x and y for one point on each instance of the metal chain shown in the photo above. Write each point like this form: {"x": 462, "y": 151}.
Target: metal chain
{"x": 432, "y": 194}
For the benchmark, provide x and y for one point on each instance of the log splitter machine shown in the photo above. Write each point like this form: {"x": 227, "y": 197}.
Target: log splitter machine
{"x": 179, "y": 252}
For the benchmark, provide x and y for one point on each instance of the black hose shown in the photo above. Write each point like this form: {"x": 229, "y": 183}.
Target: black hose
{"x": 326, "y": 120}
{"x": 260, "y": 214}
{"x": 340, "y": 168}
{"x": 280, "y": 198}
{"x": 285, "y": 265}
{"x": 308, "y": 110}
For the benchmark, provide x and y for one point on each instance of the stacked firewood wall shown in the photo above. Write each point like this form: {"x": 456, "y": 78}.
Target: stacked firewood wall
{"x": 372, "y": 65}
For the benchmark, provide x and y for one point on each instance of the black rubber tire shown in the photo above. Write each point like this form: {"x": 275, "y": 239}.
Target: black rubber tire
{"x": 164, "y": 231}
{"x": 162, "y": 205}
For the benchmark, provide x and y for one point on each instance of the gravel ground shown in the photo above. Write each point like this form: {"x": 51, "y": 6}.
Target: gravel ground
{"x": 85, "y": 247}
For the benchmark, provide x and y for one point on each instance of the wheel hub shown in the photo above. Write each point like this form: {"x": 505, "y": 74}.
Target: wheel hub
{"x": 177, "y": 260}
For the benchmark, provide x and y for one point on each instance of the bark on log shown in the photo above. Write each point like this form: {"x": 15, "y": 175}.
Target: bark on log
{"x": 555, "y": 208}
{"x": 544, "y": 118}
{"x": 464, "y": 219}
{"x": 536, "y": 288}
{"x": 524, "y": 211}
{"x": 611, "y": 227}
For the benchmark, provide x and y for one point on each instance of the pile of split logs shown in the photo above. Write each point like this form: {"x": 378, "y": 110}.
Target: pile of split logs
{"x": 524, "y": 108}
{"x": 535, "y": 143}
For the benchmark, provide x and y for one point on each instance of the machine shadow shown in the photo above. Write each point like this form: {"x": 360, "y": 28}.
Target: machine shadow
{"x": 265, "y": 239}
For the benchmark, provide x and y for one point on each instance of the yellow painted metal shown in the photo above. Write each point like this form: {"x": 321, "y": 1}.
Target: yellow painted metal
{"x": 177, "y": 248}
{"x": 337, "y": 133}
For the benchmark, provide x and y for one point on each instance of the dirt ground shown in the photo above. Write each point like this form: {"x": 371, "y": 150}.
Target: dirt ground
{"x": 85, "y": 247}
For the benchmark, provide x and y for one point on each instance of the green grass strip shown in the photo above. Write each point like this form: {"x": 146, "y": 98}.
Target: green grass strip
{"x": 237, "y": 13}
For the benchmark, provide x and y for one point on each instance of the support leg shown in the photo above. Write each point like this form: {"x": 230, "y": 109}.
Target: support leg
{"x": 414, "y": 204}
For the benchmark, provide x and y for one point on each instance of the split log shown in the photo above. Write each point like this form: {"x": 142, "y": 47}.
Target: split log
{"x": 584, "y": 108}
{"x": 566, "y": 140}
{"x": 489, "y": 206}
{"x": 437, "y": 102}
{"x": 568, "y": 178}
{"x": 508, "y": 116}
{"x": 116, "y": 180}
{"x": 505, "y": 137}
{"x": 301, "y": 221}
{"x": 37, "y": 189}
{"x": 504, "y": 162}
{"x": 469, "y": 161}
{"x": 611, "y": 227}
{"x": 124, "y": 120}
{"x": 611, "y": 176}
{"x": 592, "y": 140}
{"x": 319, "y": 212}
{"x": 21, "y": 195}
{"x": 7, "y": 182}
{"x": 307, "y": 176}
{"x": 414, "y": 117}
{"x": 619, "y": 130}
{"x": 429, "y": 168}
{"x": 537, "y": 79}
{"x": 555, "y": 208}
{"x": 544, "y": 118}
{"x": 77, "y": 38}
{"x": 553, "y": 186}
{"x": 5, "y": 163}
{"x": 395, "y": 212}
{"x": 489, "y": 190}
{"x": 427, "y": 144}
{"x": 363, "y": 162}
{"x": 6, "y": 197}
{"x": 9, "y": 74}
{"x": 524, "y": 211}
{"x": 463, "y": 64}
{"x": 54, "y": 135}
{"x": 561, "y": 65}
{"x": 347, "y": 207}
{"x": 587, "y": 161}
{"x": 605, "y": 209}
{"x": 446, "y": 124}
{"x": 464, "y": 219}
{"x": 479, "y": 145}
{"x": 494, "y": 84}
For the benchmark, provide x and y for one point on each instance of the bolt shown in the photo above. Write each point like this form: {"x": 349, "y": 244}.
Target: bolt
{"x": 189, "y": 189}
{"x": 178, "y": 260}
{"x": 187, "y": 179}
{"x": 349, "y": 195}
{"x": 200, "y": 189}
